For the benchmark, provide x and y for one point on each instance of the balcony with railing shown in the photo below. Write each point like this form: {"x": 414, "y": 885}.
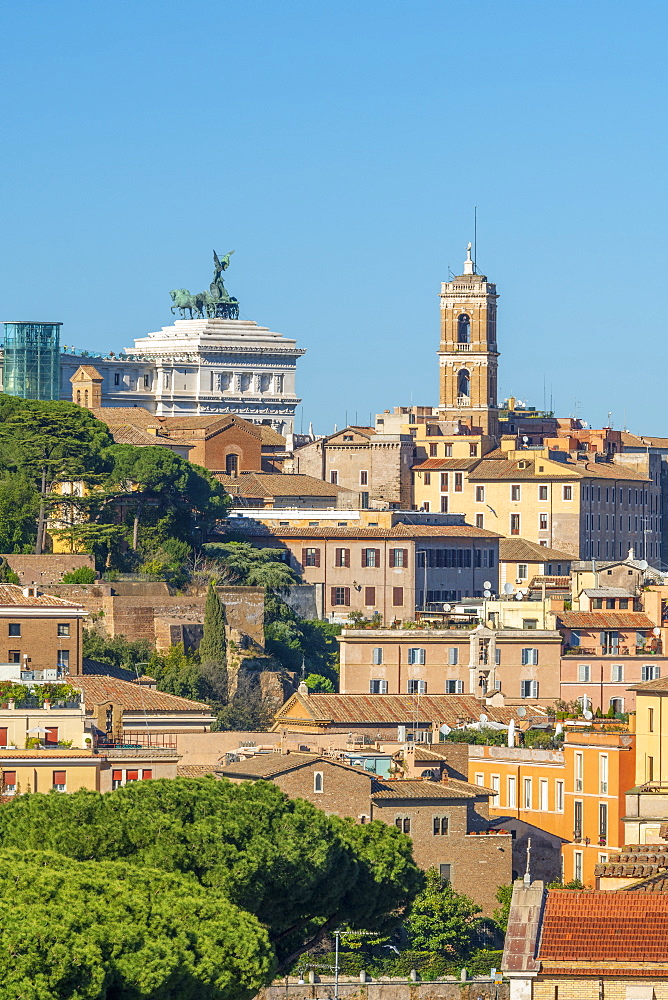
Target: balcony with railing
{"x": 135, "y": 741}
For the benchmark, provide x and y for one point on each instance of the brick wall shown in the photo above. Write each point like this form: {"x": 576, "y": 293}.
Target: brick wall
{"x": 479, "y": 863}
{"x": 389, "y": 990}
{"x": 40, "y": 642}
{"x": 344, "y": 793}
{"x": 46, "y": 569}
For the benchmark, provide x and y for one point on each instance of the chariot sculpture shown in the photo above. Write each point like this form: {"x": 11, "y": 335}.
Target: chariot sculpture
{"x": 217, "y": 303}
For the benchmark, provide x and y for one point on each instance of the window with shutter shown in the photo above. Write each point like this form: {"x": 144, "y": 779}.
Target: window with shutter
{"x": 51, "y": 738}
{"x": 60, "y": 780}
{"x": 377, "y": 655}
{"x": 131, "y": 776}
{"x": 370, "y": 597}
{"x": 397, "y": 597}
{"x": 8, "y": 782}
{"x": 147, "y": 774}
{"x": 116, "y": 779}
{"x": 453, "y": 656}
{"x": 3, "y": 737}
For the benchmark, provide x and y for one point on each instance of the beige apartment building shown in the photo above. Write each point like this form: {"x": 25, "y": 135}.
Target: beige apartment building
{"x": 516, "y": 663}
{"x": 386, "y": 571}
{"x": 591, "y": 510}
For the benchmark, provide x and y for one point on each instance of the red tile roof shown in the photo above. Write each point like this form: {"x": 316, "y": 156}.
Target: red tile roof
{"x": 605, "y": 619}
{"x": 399, "y": 531}
{"x": 13, "y": 594}
{"x": 390, "y": 709}
{"x": 133, "y": 697}
{"x": 414, "y": 789}
{"x": 600, "y": 927}
{"x": 432, "y": 464}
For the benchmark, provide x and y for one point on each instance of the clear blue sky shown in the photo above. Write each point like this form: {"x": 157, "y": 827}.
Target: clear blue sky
{"x": 339, "y": 148}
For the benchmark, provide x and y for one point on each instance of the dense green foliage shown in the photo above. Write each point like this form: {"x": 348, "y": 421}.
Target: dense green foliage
{"x": 213, "y": 647}
{"x": 242, "y": 564}
{"x": 84, "y": 574}
{"x": 137, "y": 504}
{"x": 284, "y": 861}
{"x": 442, "y": 920}
{"x": 108, "y": 931}
{"x": 293, "y": 640}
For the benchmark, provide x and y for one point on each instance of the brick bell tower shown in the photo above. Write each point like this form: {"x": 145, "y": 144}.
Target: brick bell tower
{"x": 468, "y": 355}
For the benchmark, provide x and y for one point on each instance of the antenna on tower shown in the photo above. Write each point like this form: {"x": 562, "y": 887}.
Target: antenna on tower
{"x": 475, "y": 239}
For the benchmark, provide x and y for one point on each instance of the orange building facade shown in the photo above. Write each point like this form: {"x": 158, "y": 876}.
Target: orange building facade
{"x": 569, "y": 802}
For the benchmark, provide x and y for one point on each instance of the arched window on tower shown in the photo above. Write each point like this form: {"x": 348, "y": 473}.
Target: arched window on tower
{"x": 463, "y": 383}
{"x": 463, "y": 329}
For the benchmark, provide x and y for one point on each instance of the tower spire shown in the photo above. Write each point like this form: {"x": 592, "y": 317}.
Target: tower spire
{"x": 468, "y": 263}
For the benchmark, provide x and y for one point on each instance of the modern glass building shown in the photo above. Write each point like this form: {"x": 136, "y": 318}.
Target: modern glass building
{"x": 32, "y": 360}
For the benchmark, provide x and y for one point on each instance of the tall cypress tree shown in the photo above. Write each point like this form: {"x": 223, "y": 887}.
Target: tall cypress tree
{"x": 213, "y": 647}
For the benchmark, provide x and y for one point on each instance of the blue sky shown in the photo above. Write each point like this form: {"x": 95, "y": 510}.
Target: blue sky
{"x": 340, "y": 149}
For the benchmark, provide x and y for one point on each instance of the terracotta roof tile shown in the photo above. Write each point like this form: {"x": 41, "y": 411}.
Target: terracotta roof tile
{"x": 414, "y": 789}
{"x": 194, "y": 770}
{"x": 399, "y": 709}
{"x": 600, "y": 927}
{"x": 133, "y": 697}
{"x": 129, "y": 434}
{"x": 12, "y": 594}
{"x": 605, "y": 619}
{"x": 499, "y": 469}
{"x": 269, "y": 484}
{"x": 269, "y": 765}
{"x": 135, "y": 415}
{"x": 432, "y": 464}
{"x": 522, "y": 550}
{"x": 399, "y": 531}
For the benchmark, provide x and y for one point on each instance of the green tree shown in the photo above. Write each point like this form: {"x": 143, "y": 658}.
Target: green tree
{"x": 296, "y": 869}
{"x": 117, "y": 650}
{"x": 504, "y": 895}
{"x": 293, "y": 640}
{"x": 441, "y": 919}
{"x": 84, "y": 574}
{"x": 318, "y": 683}
{"x": 19, "y": 507}
{"x": 214, "y": 642}
{"x": 7, "y": 574}
{"x": 243, "y": 564}
{"x": 44, "y": 442}
{"x": 248, "y": 711}
{"x": 164, "y": 494}
{"x": 110, "y": 931}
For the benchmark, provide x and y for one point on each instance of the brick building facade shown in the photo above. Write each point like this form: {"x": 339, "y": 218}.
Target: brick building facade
{"x": 41, "y": 634}
{"x": 446, "y": 820}
{"x": 377, "y": 466}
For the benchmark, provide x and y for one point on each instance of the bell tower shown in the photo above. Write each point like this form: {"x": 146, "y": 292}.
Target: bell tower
{"x": 467, "y": 354}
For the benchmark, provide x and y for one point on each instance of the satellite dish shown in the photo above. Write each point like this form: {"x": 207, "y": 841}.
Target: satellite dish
{"x": 483, "y": 718}
{"x": 487, "y": 593}
{"x": 487, "y": 584}
{"x": 519, "y": 596}
{"x": 643, "y": 565}
{"x": 447, "y": 607}
{"x": 445, "y": 730}
{"x": 656, "y": 631}
{"x": 525, "y": 439}
{"x": 521, "y": 711}
{"x": 508, "y": 588}
{"x": 588, "y": 715}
